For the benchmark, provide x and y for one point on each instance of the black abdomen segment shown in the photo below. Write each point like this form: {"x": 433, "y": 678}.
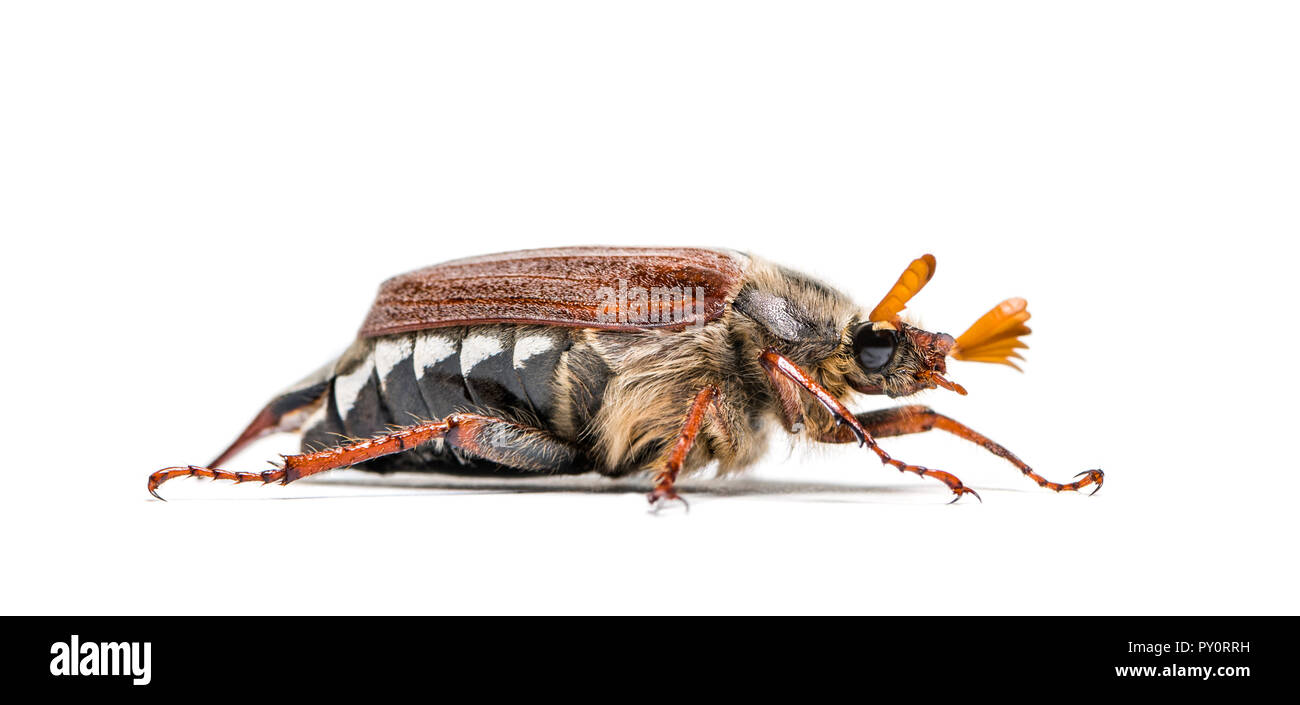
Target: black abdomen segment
{"x": 398, "y": 380}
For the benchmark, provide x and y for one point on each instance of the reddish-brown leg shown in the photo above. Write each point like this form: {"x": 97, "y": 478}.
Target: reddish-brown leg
{"x": 482, "y": 436}
{"x": 918, "y": 419}
{"x": 782, "y": 371}
{"x": 705, "y": 401}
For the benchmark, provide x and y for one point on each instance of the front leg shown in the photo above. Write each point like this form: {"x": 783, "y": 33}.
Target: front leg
{"x": 919, "y": 419}
{"x": 789, "y": 379}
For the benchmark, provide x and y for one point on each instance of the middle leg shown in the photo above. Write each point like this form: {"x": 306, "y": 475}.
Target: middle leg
{"x": 705, "y": 405}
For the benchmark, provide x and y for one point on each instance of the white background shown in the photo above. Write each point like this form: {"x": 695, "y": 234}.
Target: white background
{"x": 198, "y": 201}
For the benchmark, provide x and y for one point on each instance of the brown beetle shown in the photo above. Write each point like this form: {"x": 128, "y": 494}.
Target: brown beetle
{"x": 620, "y": 360}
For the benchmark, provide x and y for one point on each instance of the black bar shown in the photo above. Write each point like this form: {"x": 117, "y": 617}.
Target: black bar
{"x": 242, "y": 656}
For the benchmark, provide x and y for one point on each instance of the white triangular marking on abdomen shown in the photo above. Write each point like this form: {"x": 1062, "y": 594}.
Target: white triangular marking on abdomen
{"x": 531, "y": 345}
{"x": 348, "y": 386}
{"x": 389, "y": 352}
{"x": 476, "y": 349}
{"x": 430, "y": 349}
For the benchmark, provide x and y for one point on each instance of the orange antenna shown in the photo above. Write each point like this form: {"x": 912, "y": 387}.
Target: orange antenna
{"x": 912, "y": 281}
{"x": 995, "y": 337}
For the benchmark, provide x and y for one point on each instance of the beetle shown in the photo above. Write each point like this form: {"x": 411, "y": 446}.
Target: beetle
{"x": 621, "y": 361}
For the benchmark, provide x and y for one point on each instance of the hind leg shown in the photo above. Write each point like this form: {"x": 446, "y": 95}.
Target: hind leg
{"x": 903, "y": 420}
{"x": 500, "y": 441}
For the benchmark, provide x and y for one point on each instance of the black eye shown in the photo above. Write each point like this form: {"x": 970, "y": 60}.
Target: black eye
{"x": 874, "y": 348}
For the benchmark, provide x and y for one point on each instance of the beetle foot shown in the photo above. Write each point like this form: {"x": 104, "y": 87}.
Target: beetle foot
{"x": 1090, "y": 477}
{"x": 1095, "y": 477}
{"x": 662, "y": 495}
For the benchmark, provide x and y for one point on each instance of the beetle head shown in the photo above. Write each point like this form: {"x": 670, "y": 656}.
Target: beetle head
{"x": 876, "y": 352}
{"x": 898, "y": 359}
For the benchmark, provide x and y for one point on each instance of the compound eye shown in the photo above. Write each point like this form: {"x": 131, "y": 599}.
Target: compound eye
{"x": 874, "y": 348}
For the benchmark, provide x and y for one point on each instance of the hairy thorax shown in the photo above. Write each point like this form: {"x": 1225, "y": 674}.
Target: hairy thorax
{"x": 656, "y": 376}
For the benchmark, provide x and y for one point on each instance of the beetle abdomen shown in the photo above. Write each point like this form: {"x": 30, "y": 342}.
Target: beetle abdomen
{"x": 508, "y": 371}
